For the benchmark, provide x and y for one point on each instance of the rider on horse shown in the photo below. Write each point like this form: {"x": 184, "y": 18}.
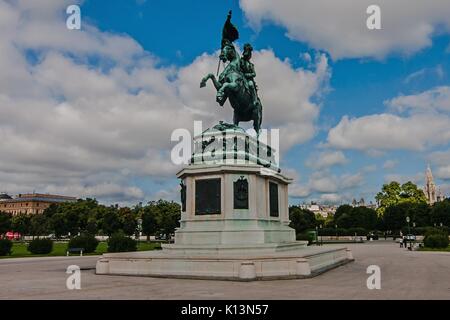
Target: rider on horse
{"x": 248, "y": 69}
{"x": 236, "y": 83}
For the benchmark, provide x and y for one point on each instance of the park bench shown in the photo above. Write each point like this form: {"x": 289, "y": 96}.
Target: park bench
{"x": 70, "y": 250}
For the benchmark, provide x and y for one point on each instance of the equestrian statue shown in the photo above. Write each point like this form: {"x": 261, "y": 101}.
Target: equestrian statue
{"x": 237, "y": 81}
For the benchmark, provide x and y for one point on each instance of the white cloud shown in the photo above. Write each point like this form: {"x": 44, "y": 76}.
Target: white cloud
{"x": 348, "y": 181}
{"x": 332, "y": 198}
{"x": 326, "y": 159}
{"x": 324, "y": 182}
{"x": 422, "y": 121}
{"x": 90, "y": 130}
{"x": 437, "y": 72}
{"x": 340, "y": 26}
{"x": 390, "y": 164}
{"x": 435, "y": 99}
{"x": 417, "y": 178}
{"x": 388, "y": 132}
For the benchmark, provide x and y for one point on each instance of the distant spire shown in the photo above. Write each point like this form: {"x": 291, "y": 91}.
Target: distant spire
{"x": 430, "y": 187}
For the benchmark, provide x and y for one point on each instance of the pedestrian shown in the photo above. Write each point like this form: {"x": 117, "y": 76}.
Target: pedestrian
{"x": 385, "y": 236}
{"x": 401, "y": 242}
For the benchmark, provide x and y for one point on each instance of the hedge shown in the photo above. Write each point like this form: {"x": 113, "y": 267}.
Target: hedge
{"x": 342, "y": 232}
{"x": 121, "y": 243}
{"x": 5, "y": 247}
{"x": 40, "y": 246}
{"x": 435, "y": 238}
{"x": 88, "y": 242}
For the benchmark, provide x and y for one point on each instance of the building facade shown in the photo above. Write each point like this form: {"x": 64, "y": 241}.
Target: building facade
{"x": 30, "y": 203}
{"x": 323, "y": 210}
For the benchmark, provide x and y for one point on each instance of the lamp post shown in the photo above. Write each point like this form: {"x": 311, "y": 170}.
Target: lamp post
{"x": 139, "y": 229}
{"x": 409, "y": 231}
{"x": 335, "y": 226}
{"x": 407, "y": 220}
{"x": 317, "y": 235}
{"x": 321, "y": 239}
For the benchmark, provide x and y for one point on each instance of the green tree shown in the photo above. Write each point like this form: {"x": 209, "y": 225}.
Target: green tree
{"x": 440, "y": 213}
{"x": 39, "y": 225}
{"x": 57, "y": 225}
{"x": 168, "y": 218}
{"x": 149, "y": 221}
{"x": 21, "y": 223}
{"x": 342, "y": 209}
{"x": 301, "y": 219}
{"x": 393, "y": 193}
{"x": 128, "y": 221}
{"x": 421, "y": 215}
{"x": 111, "y": 221}
{"x": 5, "y": 222}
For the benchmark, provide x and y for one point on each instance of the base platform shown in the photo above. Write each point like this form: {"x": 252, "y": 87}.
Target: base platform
{"x": 289, "y": 261}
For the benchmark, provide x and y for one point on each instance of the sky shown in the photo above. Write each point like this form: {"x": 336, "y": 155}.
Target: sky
{"x": 90, "y": 112}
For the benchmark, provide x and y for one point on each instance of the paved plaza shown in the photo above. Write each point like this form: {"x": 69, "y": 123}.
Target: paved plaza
{"x": 404, "y": 275}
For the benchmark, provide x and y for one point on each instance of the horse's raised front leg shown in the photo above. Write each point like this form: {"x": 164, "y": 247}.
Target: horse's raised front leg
{"x": 216, "y": 83}
{"x": 205, "y": 79}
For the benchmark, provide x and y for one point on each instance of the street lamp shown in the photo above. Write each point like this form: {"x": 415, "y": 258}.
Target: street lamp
{"x": 335, "y": 226}
{"x": 321, "y": 239}
{"x": 409, "y": 231}
{"x": 407, "y": 220}
{"x": 139, "y": 228}
{"x": 317, "y": 235}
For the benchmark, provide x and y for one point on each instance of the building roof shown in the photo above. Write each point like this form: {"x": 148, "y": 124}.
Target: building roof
{"x": 4, "y": 196}
{"x": 39, "y": 197}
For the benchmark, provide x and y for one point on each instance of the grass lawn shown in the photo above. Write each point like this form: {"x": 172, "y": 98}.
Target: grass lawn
{"x": 436, "y": 249}
{"x": 19, "y": 249}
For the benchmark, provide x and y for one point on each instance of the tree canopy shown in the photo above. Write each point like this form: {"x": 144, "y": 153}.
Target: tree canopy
{"x": 393, "y": 193}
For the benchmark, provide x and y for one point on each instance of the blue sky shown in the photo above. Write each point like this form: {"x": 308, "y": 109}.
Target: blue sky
{"x": 358, "y": 86}
{"x": 399, "y": 76}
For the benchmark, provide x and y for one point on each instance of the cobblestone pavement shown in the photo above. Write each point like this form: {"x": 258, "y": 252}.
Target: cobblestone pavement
{"x": 404, "y": 275}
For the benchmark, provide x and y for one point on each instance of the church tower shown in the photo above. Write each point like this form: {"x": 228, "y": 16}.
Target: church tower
{"x": 430, "y": 187}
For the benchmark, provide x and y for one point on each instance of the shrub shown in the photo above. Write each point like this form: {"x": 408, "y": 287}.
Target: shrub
{"x": 436, "y": 239}
{"x": 358, "y": 231}
{"x": 121, "y": 243}
{"x": 86, "y": 241}
{"x": 419, "y": 231}
{"x": 40, "y": 246}
{"x": 5, "y": 247}
{"x": 306, "y": 236}
{"x": 334, "y": 231}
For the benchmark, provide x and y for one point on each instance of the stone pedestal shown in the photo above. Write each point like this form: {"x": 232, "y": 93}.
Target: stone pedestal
{"x": 234, "y": 221}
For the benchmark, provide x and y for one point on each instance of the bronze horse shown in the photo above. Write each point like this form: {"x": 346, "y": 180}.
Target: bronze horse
{"x": 233, "y": 85}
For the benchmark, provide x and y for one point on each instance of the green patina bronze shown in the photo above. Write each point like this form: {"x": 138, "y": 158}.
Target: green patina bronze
{"x": 237, "y": 81}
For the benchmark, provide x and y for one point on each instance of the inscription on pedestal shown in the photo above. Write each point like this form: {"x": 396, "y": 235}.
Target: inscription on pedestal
{"x": 207, "y": 196}
{"x": 273, "y": 199}
{"x": 241, "y": 193}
